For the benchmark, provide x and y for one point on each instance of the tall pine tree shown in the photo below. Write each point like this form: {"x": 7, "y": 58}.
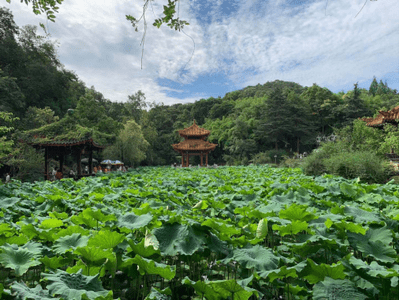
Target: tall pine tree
{"x": 373, "y": 88}
{"x": 274, "y": 126}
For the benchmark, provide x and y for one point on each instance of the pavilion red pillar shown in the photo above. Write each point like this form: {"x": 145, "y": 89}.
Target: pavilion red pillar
{"x": 182, "y": 158}
{"x": 207, "y": 158}
{"x": 201, "y": 158}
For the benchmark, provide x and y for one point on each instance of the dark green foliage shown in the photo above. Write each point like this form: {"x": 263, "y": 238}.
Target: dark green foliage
{"x": 362, "y": 164}
{"x": 261, "y": 158}
{"x": 274, "y": 125}
{"x": 31, "y": 62}
{"x": 313, "y": 164}
{"x": 373, "y": 88}
{"x": 355, "y": 107}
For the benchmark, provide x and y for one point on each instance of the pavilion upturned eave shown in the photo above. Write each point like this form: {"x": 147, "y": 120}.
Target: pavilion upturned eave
{"x": 391, "y": 116}
{"x": 194, "y": 131}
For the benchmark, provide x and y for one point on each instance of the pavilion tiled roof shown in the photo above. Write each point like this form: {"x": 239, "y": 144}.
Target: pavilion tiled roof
{"x": 199, "y": 145}
{"x": 194, "y": 130}
{"x": 391, "y": 116}
{"x": 63, "y": 143}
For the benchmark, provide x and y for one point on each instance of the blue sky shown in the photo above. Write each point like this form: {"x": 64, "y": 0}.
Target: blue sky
{"x": 229, "y": 44}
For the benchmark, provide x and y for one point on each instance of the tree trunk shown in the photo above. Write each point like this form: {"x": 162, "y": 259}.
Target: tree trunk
{"x": 298, "y": 145}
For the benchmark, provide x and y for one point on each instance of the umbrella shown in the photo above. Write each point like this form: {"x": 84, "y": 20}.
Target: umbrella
{"x": 107, "y": 162}
{"x": 118, "y": 162}
{"x": 86, "y": 160}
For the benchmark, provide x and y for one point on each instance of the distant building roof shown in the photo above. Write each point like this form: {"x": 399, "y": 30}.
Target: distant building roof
{"x": 391, "y": 116}
{"x": 194, "y": 130}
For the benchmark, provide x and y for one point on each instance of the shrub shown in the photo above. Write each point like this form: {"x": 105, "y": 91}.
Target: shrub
{"x": 291, "y": 162}
{"x": 363, "y": 164}
{"x": 313, "y": 164}
{"x": 261, "y": 158}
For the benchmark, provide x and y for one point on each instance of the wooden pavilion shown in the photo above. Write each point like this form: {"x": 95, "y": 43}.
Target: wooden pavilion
{"x": 384, "y": 117}
{"x": 59, "y": 149}
{"x": 66, "y": 137}
{"x": 194, "y": 144}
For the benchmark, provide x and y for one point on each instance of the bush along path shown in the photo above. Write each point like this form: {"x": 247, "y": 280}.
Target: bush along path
{"x": 227, "y": 233}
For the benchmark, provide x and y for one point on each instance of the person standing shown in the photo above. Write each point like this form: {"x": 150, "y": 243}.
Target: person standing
{"x": 8, "y": 178}
{"x": 53, "y": 175}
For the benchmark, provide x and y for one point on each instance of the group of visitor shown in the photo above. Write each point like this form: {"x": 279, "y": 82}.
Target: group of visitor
{"x": 58, "y": 174}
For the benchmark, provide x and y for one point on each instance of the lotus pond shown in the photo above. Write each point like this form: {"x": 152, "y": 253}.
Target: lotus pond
{"x": 227, "y": 233}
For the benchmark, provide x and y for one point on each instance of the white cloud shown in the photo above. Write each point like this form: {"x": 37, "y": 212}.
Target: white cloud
{"x": 308, "y": 43}
{"x": 330, "y": 49}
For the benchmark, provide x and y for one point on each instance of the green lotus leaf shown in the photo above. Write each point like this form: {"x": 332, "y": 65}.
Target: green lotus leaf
{"x": 94, "y": 254}
{"x": 221, "y": 227}
{"x": 55, "y": 262}
{"x": 57, "y": 215}
{"x": 229, "y": 288}
{"x": 97, "y": 215}
{"x": 375, "y": 243}
{"x": 71, "y": 230}
{"x": 8, "y": 202}
{"x": 293, "y": 228}
{"x": 141, "y": 249}
{"x": 24, "y": 292}
{"x": 315, "y": 273}
{"x": 350, "y": 227}
{"x": 283, "y": 272}
{"x": 51, "y": 223}
{"x": 258, "y": 257}
{"x": 374, "y": 269}
{"x": 296, "y": 212}
{"x": 106, "y": 239}
{"x": 30, "y": 231}
{"x": 88, "y": 269}
{"x": 336, "y": 289}
{"x": 348, "y": 190}
{"x": 35, "y": 248}
{"x": 148, "y": 266}
{"x": 18, "y": 259}
{"x": 6, "y": 230}
{"x": 202, "y": 288}
{"x": 176, "y": 238}
{"x": 81, "y": 219}
{"x": 17, "y": 239}
{"x": 69, "y": 243}
{"x": 158, "y": 294}
{"x": 132, "y": 221}
{"x": 74, "y": 286}
{"x": 362, "y": 216}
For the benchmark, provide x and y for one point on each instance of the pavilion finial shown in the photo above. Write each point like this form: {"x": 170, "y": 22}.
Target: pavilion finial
{"x": 194, "y": 121}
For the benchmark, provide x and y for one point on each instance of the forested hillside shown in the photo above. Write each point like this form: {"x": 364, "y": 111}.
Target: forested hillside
{"x": 275, "y": 118}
